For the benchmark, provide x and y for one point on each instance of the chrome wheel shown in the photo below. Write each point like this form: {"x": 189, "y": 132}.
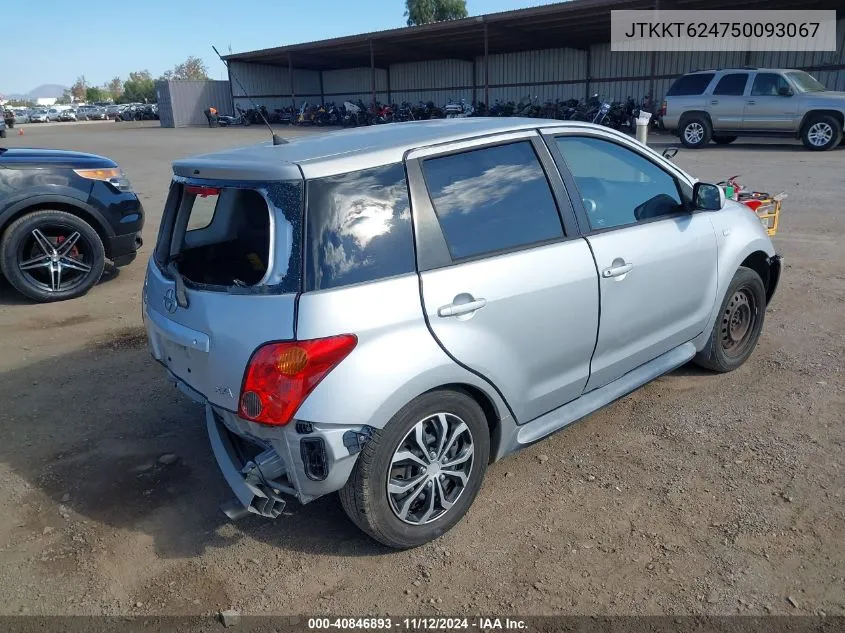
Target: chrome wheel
{"x": 738, "y": 320}
{"x": 430, "y": 468}
{"x": 693, "y": 133}
{"x": 820, "y": 134}
{"x": 55, "y": 258}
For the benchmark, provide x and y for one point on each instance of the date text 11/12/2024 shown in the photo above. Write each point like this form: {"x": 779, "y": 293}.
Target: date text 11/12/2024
{"x": 418, "y": 624}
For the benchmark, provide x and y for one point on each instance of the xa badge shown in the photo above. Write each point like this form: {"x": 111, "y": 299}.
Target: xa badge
{"x": 224, "y": 391}
{"x": 169, "y": 301}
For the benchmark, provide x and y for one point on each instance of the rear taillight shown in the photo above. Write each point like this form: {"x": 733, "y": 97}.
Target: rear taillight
{"x": 281, "y": 375}
{"x": 663, "y": 109}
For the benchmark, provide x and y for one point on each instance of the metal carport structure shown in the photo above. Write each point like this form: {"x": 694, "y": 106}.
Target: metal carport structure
{"x": 385, "y": 62}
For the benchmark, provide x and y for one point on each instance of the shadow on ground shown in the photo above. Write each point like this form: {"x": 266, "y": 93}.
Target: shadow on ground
{"x": 11, "y": 297}
{"x": 87, "y": 430}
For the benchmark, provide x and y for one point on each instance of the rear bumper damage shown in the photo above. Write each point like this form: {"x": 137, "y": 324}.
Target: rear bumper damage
{"x": 267, "y": 466}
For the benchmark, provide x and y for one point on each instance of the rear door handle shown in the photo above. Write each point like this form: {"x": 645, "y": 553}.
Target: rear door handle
{"x": 457, "y": 309}
{"x": 714, "y": 103}
{"x": 616, "y": 271}
{"x": 750, "y": 102}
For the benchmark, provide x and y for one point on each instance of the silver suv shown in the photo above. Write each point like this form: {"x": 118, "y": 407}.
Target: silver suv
{"x": 385, "y": 311}
{"x": 724, "y": 104}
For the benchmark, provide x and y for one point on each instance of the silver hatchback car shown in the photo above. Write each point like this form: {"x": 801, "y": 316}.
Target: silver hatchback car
{"x": 385, "y": 311}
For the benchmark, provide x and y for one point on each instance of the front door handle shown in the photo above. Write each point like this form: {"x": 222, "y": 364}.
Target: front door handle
{"x": 616, "y": 271}
{"x": 457, "y": 309}
{"x": 750, "y": 102}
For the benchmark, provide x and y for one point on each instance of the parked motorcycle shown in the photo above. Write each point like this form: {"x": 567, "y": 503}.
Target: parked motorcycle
{"x": 240, "y": 118}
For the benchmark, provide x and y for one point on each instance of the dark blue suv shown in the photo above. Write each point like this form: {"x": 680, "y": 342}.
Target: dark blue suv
{"x": 62, "y": 214}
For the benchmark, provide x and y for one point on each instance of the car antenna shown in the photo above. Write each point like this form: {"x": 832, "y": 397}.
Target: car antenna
{"x": 277, "y": 140}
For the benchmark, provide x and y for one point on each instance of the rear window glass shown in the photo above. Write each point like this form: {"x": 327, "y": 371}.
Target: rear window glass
{"x": 731, "y": 85}
{"x": 690, "y": 85}
{"x": 358, "y": 228}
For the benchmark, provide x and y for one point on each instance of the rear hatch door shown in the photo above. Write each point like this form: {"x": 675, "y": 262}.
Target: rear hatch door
{"x": 224, "y": 280}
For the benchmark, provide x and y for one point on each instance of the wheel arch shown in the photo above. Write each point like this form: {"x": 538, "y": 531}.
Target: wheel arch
{"x": 688, "y": 114}
{"x": 58, "y": 203}
{"x": 488, "y": 407}
{"x": 836, "y": 114}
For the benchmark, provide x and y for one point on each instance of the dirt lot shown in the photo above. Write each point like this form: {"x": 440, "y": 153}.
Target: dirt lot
{"x": 697, "y": 494}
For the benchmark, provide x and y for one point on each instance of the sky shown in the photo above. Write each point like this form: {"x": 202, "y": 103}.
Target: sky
{"x": 63, "y": 40}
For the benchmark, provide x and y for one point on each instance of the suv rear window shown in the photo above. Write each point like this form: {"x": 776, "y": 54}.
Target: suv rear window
{"x": 358, "y": 228}
{"x": 689, "y": 85}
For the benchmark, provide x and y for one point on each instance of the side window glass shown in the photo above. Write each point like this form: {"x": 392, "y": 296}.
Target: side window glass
{"x": 690, "y": 85}
{"x": 617, "y": 185}
{"x": 492, "y": 199}
{"x": 358, "y": 228}
{"x": 731, "y": 85}
{"x": 767, "y": 85}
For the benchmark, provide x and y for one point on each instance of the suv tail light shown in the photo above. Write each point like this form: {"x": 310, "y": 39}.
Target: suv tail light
{"x": 281, "y": 375}
{"x": 663, "y": 108}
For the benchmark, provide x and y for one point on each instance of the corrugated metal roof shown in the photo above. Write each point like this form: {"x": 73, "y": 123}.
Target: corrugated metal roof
{"x": 578, "y": 24}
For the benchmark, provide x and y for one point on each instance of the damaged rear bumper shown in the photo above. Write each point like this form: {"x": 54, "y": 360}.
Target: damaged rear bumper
{"x": 257, "y": 490}
{"x": 264, "y": 465}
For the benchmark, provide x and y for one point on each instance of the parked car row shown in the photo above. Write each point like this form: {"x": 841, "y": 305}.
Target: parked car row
{"x": 122, "y": 112}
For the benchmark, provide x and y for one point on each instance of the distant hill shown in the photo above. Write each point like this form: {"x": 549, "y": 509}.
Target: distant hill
{"x": 47, "y": 90}
{"x": 43, "y": 91}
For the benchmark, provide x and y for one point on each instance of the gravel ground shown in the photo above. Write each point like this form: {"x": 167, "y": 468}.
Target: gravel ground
{"x": 700, "y": 493}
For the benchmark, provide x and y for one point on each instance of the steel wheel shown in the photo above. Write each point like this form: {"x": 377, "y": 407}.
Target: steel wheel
{"x": 693, "y": 133}
{"x": 820, "y": 134}
{"x": 430, "y": 468}
{"x": 55, "y": 258}
{"x": 738, "y": 321}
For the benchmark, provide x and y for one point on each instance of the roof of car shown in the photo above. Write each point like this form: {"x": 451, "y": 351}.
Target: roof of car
{"x": 346, "y": 150}
{"x": 742, "y": 69}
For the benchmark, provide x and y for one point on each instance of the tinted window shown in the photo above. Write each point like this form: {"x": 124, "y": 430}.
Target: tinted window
{"x": 358, "y": 228}
{"x": 690, "y": 85}
{"x": 618, "y": 186}
{"x": 768, "y": 85}
{"x": 733, "y": 84}
{"x": 492, "y": 199}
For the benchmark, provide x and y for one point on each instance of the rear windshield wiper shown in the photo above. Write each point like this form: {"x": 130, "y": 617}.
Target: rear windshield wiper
{"x": 181, "y": 295}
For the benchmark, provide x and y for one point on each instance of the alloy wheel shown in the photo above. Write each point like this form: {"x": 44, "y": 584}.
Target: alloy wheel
{"x": 820, "y": 134}
{"x": 430, "y": 468}
{"x": 55, "y": 258}
{"x": 694, "y": 132}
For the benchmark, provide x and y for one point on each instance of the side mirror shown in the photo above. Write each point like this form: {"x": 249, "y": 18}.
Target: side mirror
{"x": 670, "y": 152}
{"x": 785, "y": 91}
{"x": 707, "y": 197}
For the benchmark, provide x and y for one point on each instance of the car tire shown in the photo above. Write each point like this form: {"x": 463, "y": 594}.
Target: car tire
{"x": 821, "y": 132}
{"x": 2, "y": 133}
{"x": 376, "y": 511}
{"x": 695, "y": 131}
{"x": 738, "y": 324}
{"x": 79, "y": 268}
{"x": 724, "y": 140}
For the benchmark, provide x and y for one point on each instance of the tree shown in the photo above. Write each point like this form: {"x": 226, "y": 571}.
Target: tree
{"x": 139, "y": 88}
{"x": 115, "y": 88}
{"x": 94, "y": 94}
{"x": 65, "y": 99}
{"x": 77, "y": 90}
{"x": 428, "y": 11}
{"x": 192, "y": 68}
